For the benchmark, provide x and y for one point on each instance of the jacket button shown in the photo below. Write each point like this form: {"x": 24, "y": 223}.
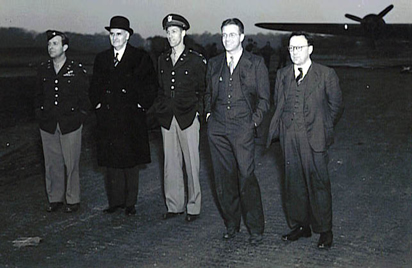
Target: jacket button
{"x": 56, "y": 81}
{"x": 56, "y": 103}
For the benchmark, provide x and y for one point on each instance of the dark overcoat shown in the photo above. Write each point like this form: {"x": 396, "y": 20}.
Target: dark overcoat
{"x": 124, "y": 93}
{"x": 323, "y": 105}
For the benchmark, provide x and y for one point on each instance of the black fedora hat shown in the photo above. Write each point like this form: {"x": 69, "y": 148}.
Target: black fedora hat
{"x": 120, "y": 22}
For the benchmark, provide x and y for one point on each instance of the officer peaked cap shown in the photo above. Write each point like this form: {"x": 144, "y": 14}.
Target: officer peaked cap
{"x": 52, "y": 33}
{"x": 175, "y": 20}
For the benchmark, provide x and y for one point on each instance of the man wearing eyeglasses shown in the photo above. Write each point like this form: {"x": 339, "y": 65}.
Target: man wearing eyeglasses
{"x": 308, "y": 103}
{"x": 236, "y": 99}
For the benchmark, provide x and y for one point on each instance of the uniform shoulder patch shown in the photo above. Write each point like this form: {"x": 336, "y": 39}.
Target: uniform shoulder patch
{"x": 199, "y": 55}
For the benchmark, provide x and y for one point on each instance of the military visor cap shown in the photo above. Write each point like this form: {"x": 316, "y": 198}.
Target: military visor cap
{"x": 120, "y": 22}
{"x": 175, "y": 20}
{"x": 52, "y": 33}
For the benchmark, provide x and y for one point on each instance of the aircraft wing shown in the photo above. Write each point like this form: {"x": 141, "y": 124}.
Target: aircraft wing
{"x": 320, "y": 28}
{"x": 403, "y": 31}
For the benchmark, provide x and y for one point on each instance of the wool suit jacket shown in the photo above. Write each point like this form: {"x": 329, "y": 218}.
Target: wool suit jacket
{"x": 124, "y": 93}
{"x": 323, "y": 105}
{"x": 254, "y": 83}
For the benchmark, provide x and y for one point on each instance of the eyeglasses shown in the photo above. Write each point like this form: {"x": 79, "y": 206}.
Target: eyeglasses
{"x": 230, "y": 35}
{"x": 296, "y": 48}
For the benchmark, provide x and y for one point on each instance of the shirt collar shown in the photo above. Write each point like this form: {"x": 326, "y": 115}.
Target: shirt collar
{"x": 305, "y": 68}
{"x": 120, "y": 52}
{"x": 236, "y": 56}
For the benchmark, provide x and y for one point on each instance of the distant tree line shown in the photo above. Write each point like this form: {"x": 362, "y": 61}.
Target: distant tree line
{"x": 21, "y": 38}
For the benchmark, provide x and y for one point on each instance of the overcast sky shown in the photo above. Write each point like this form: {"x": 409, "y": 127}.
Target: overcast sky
{"x": 91, "y": 16}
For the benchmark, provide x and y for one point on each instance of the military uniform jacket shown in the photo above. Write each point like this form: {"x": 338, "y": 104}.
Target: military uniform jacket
{"x": 124, "y": 93}
{"x": 61, "y": 98}
{"x": 181, "y": 88}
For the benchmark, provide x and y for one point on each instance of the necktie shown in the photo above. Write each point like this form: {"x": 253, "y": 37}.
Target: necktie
{"x": 231, "y": 64}
{"x": 299, "y": 78}
{"x": 115, "y": 60}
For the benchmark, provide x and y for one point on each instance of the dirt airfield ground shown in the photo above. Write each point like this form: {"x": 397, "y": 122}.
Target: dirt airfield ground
{"x": 370, "y": 169}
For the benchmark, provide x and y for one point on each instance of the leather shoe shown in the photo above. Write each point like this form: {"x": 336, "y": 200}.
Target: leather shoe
{"x": 70, "y": 208}
{"x": 112, "y": 209}
{"x": 54, "y": 207}
{"x": 302, "y": 231}
{"x": 230, "y": 233}
{"x": 326, "y": 240}
{"x": 130, "y": 210}
{"x": 190, "y": 217}
{"x": 255, "y": 239}
{"x": 169, "y": 215}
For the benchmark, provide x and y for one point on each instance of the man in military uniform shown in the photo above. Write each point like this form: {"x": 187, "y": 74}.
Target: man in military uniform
{"x": 61, "y": 105}
{"x": 123, "y": 87}
{"x": 181, "y": 75}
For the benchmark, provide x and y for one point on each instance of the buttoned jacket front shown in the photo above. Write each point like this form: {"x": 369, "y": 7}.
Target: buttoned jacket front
{"x": 181, "y": 88}
{"x": 121, "y": 95}
{"x": 322, "y": 109}
{"x": 254, "y": 83}
{"x": 61, "y": 98}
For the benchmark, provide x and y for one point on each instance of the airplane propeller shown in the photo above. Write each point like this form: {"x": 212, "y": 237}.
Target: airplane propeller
{"x": 378, "y": 17}
{"x": 354, "y": 18}
{"x": 385, "y": 11}
{"x": 372, "y": 24}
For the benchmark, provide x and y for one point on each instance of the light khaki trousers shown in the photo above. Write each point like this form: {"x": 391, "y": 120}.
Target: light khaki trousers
{"x": 60, "y": 152}
{"x": 182, "y": 146}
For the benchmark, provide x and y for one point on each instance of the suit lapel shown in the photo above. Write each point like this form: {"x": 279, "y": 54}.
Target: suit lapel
{"x": 313, "y": 80}
{"x": 217, "y": 75}
{"x": 288, "y": 77}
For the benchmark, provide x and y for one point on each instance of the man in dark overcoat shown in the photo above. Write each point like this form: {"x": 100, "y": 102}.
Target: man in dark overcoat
{"x": 61, "y": 106}
{"x": 123, "y": 87}
{"x": 308, "y": 103}
{"x": 236, "y": 99}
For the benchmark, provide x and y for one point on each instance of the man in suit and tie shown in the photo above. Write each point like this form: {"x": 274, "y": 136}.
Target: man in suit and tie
{"x": 236, "y": 99}
{"x": 308, "y": 103}
{"x": 181, "y": 73}
{"x": 123, "y": 87}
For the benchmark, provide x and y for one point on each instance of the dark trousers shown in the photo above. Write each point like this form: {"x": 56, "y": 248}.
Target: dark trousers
{"x": 122, "y": 186}
{"x": 237, "y": 187}
{"x": 306, "y": 186}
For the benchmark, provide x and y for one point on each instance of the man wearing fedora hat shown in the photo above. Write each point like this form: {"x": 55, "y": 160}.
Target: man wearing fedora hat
{"x": 181, "y": 75}
{"x": 123, "y": 87}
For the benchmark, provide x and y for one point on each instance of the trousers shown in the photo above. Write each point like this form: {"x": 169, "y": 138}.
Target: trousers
{"x": 306, "y": 186}
{"x": 61, "y": 157}
{"x": 182, "y": 147}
